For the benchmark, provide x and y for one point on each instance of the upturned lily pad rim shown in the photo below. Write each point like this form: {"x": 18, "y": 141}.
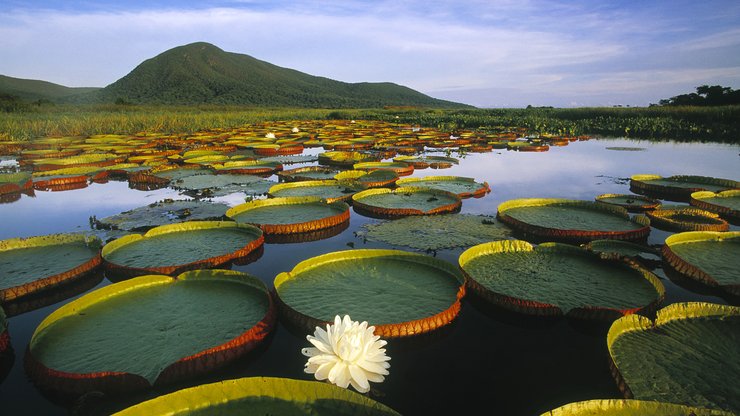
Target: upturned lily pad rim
{"x": 47, "y": 282}
{"x": 700, "y": 199}
{"x": 341, "y": 216}
{"x": 631, "y": 407}
{"x": 204, "y": 396}
{"x": 641, "y": 231}
{"x": 670, "y": 313}
{"x": 533, "y": 307}
{"x": 393, "y": 330}
{"x": 665, "y": 219}
{"x": 186, "y": 367}
{"x": 274, "y": 190}
{"x": 689, "y": 270}
{"x": 291, "y": 175}
{"x": 642, "y": 183}
{"x": 649, "y": 203}
{"x": 399, "y": 212}
{"x": 126, "y": 271}
{"x": 482, "y": 190}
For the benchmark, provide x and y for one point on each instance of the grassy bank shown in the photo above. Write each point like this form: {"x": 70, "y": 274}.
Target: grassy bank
{"x": 721, "y": 124}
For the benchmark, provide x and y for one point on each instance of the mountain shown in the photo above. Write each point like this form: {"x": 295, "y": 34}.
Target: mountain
{"x": 203, "y": 73}
{"x": 32, "y": 90}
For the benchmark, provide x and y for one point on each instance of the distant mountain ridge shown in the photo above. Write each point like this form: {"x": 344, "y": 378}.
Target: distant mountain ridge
{"x": 31, "y": 89}
{"x": 201, "y": 73}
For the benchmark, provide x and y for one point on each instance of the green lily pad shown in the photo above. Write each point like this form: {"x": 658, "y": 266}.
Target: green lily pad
{"x": 405, "y": 201}
{"x": 572, "y": 220}
{"x": 686, "y": 219}
{"x": 436, "y": 232}
{"x": 618, "y": 248}
{"x": 425, "y": 161}
{"x": 224, "y": 184}
{"x": 632, "y": 203}
{"x": 331, "y": 190}
{"x": 346, "y": 159}
{"x": 679, "y": 187}
{"x": 688, "y": 356}
{"x": 290, "y": 159}
{"x": 171, "y": 328}
{"x": 424, "y": 292}
{"x": 712, "y": 258}
{"x": 262, "y": 395}
{"x": 627, "y": 407}
{"x": 402, "y": 169}
{"x": 308, "y": 173}
{"x": 558, "y": 279}
{"x": 29, "y": 265}
{"x": 368, "y": 179}
{"x": 174, "y": 248}
{"x": 290, "y": 215}
{"x": 248, "y": 167}
{"x": 161, "y": 213}
{"x": 175, "y": 174}
{"x": 464, "y": 187}
{"x": 725, "y": 203}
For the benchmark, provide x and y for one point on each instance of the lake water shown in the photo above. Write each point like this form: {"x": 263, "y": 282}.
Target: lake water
{"x": 488, "y": 359}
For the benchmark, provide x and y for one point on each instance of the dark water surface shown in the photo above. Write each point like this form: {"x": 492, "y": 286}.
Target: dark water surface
{"x": 488, "y": 359}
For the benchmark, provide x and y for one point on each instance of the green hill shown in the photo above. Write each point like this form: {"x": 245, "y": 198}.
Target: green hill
{"x": 202, "y": 73}
{"x": 31, "y": 89}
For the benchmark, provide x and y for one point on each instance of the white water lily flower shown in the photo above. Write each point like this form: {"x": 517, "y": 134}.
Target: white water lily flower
{"x": 347, "y": 352}
{"x": 295, "y": 129}
{"x": 270, "y": 135}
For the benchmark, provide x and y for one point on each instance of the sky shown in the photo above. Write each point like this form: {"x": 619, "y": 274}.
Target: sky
{"x": 487, "y": 53}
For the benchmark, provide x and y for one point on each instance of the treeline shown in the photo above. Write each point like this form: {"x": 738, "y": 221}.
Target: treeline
{"x": 705, "y": 95}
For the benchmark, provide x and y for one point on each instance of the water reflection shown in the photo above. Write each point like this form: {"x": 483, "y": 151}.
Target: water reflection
{"x": 489, "y": 358}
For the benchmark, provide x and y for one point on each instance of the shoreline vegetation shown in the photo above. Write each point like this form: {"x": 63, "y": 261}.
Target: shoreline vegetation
{"x": 679, "y": 123}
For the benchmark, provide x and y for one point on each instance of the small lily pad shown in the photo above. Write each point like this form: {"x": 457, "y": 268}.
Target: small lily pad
{"x": 221, "y": 185}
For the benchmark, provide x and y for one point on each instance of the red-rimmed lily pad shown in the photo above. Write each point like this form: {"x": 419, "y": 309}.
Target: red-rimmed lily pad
{"x": 262, "y": 395}
{"x": 709, "y": 257}
{"x": 686, "y": 219}
{"x": 248, "y": 167}
{"x": 689, "y": 355}
{"x": 290, "y": 215}
{"x": 172, "y": 328}
{"x": 175, "y": 248}
{"x": 462, "y": 186}
{"x": 368, "y": 179}
{"x": 344, "y": 158}
{"x": 402, "y": 169}
{"x": 725, "y": 203}
{"x": 405, "y": 201}
{"x": 616, "y": 249}
{"x": 29, "y": 265}
{"x": 163, "y": 212}
{"x": 331, "y": 190}
{"x": 554, "y": 279}
{"x": 631, "y": 407}
{"x": 679, "y": 187}
{"x": 308, "y": 173}
{"x": 425, "y": 161}
{"x": 632, "y": 203}
{"x": 572, "y": 220}
{"x": 15, "y": 182}
{"x": 424, "y": 292}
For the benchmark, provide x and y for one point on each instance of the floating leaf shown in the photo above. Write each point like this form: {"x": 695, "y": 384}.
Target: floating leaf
{"x": 225, "y": 184}
{"x": 572, "y": 220}
{"x": 464, "y": 187}
{"x": 291, "y": 215}
{"x": 632, "y": 203}
{"x": 161, "y": 213}
{"x": 686, "y": 219}
{"x": 425, "y": 292}
{"x": 626, "y": 407}
{"x": 688, "y": 356}
{"x": 679, "y": 187}
{"x": 331, "y": 190}
{"x": 262, "y": 395}
{"x": 405, "y": 201}
{"x": 436, "y": 232}
{"x": 725, "y": 203}
{"x": 29, "y": 265}
{"x": 172, "y": 328}
{"x": 558, "y": 279}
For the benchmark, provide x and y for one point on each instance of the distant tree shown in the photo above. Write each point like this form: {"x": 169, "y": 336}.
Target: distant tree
{"x": 705, "y": 95}
{"x": 11, "y": 103}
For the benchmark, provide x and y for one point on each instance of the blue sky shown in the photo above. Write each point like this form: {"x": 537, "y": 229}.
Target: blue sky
{"x": 488, "y": 53}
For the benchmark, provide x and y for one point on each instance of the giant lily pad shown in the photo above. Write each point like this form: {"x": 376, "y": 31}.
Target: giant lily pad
{"x": 632, "y": 203}
{"x": 627, "y": 407}
{"x": 344, "y": 158}
{"x": 712, "y": 258}
{"x": 686, "y": 219}
{"x": 464, "y": 187}
{"x": 224, "y": 184}
{"x": 248, "y": 167}
{"x": 572, "y": 220}
{"x": 424, "y": 292}
{"x": 401, "y": 169}
{"x": 725, "y": 203}
{"x": 291, "y": 215}
{"x": 262, "y": 395}
{"x": 618, "y": 249}
{"x": 174, "y": 248}
{"x": 15, "y": 182}
{"x": 161, "y": 213}
{"x": 308, "y": 173}
{"x": 679, "y": 187}
{"x": 368, "y": 179}
{"x": 425, "y": 161}
{"x": 405, "y": 201}
{"x": 554, "y": 279}
{"x": 331, "y": 190}
{"x": 29, "y": 265}
{"x": 688, "y": 356}
{"x": 172, "y": 328}
{"x": 436, "y": 232}
{"x": 290, "y": 159}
